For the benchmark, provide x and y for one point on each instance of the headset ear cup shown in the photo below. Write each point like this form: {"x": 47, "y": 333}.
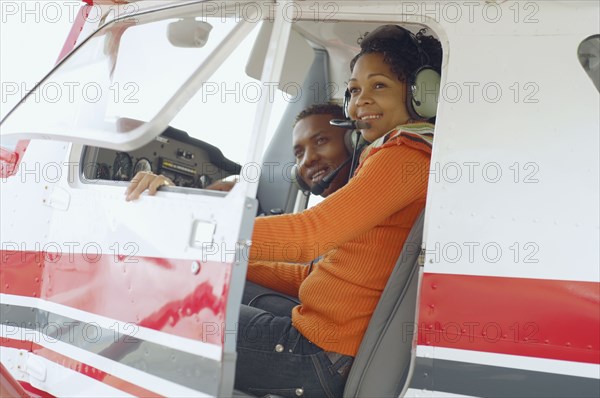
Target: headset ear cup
{"x": 423, "y": 93}
{"x": 297, "y": 179}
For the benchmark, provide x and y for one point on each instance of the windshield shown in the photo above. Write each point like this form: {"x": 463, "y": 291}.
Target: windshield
{"x": 125, "y": 74}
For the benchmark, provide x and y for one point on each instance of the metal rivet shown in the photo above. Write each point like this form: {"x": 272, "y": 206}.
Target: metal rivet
{"x": 279, "y": 348}
{"x": 195, "y": 267}
{"x": 299, "y": 392}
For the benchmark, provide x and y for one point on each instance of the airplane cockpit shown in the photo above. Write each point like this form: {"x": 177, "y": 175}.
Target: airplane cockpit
{"x": 207, "y": 102}
{"x": 209, "y": 138}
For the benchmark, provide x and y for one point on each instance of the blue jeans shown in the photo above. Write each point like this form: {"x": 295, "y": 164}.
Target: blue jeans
{"x": 269, "y": 300}
{"x": 274, "y": 358}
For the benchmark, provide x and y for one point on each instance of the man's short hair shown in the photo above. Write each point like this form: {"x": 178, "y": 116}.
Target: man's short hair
{"x": 335, "y": 110}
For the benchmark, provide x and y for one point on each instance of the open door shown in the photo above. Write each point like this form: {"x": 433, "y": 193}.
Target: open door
{"x": 106, "y": 297}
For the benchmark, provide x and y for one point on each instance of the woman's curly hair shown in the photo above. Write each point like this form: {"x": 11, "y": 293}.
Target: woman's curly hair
{"x": 401, "y": 52}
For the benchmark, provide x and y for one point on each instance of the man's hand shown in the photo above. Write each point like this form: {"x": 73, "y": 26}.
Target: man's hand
{"x": 221, "y": 185}
{"x": 146, "y": 181}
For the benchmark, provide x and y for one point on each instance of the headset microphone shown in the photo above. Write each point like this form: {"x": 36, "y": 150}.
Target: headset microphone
{"x": 350, "y": 124}
{"x": 326, "y": 181}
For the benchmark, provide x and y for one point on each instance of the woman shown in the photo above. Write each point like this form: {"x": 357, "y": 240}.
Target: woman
{"x": 359, "y": 231}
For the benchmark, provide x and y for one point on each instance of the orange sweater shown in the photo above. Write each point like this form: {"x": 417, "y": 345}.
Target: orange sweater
{"x": 359, "y": 231}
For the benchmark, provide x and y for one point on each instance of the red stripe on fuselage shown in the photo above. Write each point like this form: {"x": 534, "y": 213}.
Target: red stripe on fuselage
{"x": 160, "y": 294}
{"x": 553, "y": 319}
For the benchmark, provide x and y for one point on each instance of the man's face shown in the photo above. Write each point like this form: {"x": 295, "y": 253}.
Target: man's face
{"x": 319, "y": 148}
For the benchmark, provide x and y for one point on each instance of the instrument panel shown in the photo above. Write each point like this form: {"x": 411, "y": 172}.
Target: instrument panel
{"x": 187, "y": 161}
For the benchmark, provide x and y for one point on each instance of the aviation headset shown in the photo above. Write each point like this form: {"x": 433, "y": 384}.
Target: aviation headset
{"x": 295, "y": 171}
{"x": 423, "y": 85}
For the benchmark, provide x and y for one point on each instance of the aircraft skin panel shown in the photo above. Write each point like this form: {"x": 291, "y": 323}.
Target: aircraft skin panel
{"x": 188, "y": 311}
{"x": 72, "y": 373}
{"x": 136, "y": 360}
{"x": 540, "y": 365}
{"x": 511, "y": 316}
{"x": 470, "y": 379}
{"x": 65, "y": 374}
{"x": 79, "y": 327}
{"x": 163, "y": 293}
{"x": 516, "y": 195}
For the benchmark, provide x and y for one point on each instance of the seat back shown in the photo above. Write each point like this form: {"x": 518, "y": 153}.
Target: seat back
{"x": 381, "y": 366}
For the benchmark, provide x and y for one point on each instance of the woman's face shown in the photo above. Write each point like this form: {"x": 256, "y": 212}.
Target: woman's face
{"x": 377, "y": 96}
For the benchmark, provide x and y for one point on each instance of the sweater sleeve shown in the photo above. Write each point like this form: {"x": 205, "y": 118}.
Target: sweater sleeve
{"x": 279, "y": 276}
{"x": 388, "y": 181}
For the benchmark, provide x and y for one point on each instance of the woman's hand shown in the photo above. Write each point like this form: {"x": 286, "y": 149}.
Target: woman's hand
{"x": 145, "y": 180}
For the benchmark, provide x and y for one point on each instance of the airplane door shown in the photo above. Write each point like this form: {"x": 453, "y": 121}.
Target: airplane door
{"x": 104, "y": 297}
